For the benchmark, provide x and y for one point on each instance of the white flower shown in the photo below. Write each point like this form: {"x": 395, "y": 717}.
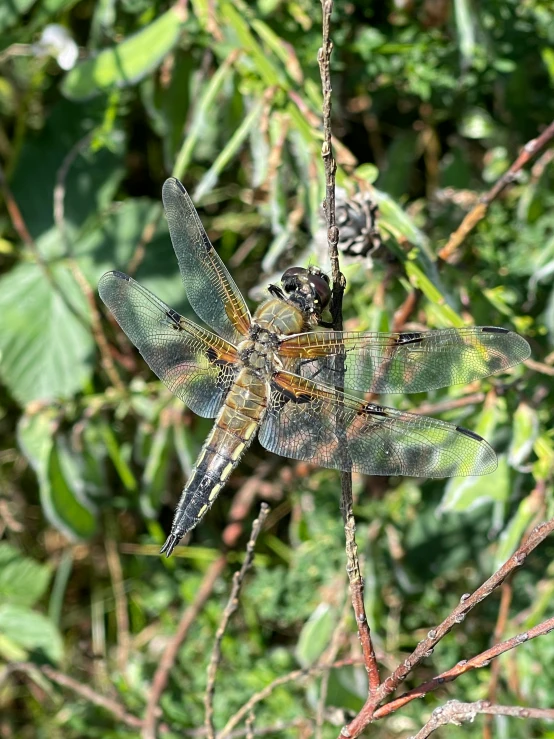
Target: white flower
{"x": 55, "y": 41}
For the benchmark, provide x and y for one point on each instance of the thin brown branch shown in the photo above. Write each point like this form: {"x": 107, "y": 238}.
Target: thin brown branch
{"x": 146, "y": 237}
{"x": 442, "y": 406}
{"x": 20, "y": 227}
{"x": 16, "y": 218}
{"x": 339, "y": 284}
{"x": 481, "y": 660}
{"x": 168, "y": 658}
{"x": 108, "y": 704}
{"x": 455, "y": 712}
{"x": 479, "y": 211}
{"x": 230, "y": 608}
{"x": 324, "y": 61}
{"x": 61, "y": 176}
{"x": 426, "y": 646}
{"x": 402, "y": 314}
{"x": 290, "y": 677}
{"x": 544, "y": 369}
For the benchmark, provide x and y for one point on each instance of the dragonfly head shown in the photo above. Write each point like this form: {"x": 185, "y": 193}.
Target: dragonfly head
{"x": 308, "y": 288}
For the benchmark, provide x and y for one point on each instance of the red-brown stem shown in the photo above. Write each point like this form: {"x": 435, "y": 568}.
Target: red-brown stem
{"x": 480, "y": 660}
{"x": 369, "y": 713}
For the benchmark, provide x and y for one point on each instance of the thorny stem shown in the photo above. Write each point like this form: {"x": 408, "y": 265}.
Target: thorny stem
{"x": 339, "y": 283}
{"x": 230, "y": 608}
{"x": 480, "y": 660}
{"x": 455, "y": 712}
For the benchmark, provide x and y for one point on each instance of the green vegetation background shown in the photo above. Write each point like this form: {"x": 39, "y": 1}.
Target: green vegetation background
{"x": 432, "y": 102}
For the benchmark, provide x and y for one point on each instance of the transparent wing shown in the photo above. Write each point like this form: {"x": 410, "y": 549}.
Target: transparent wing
{"x": 195, "y": 364}
{"x": 209, "y": 286}
{"x": 409, "y": 362}
{"x": 309, "y": 422}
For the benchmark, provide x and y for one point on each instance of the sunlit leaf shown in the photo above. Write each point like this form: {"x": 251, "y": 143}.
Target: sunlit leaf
{"x": 22, "y": 580}
{"x": 60, "y": 501}
{"x": 127, "y": 62}
{"x": 315, "y": 634}
{"x": 33, "y": 632}
{"x": 46, "y": 346}
{"x": 511, "y": 536}
{"x": 525, "y": 432}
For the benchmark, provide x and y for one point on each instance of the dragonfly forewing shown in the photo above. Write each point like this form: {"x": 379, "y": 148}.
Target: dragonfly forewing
{"x": 210, "y": 288}
{"x": 404, "y": 362}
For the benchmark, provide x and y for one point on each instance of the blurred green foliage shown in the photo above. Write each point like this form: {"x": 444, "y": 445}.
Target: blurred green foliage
{"x": 432, "y": 101}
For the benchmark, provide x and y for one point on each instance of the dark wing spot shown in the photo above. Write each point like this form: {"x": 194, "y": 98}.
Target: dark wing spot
{"x": 174, "y": 317}
{"x": 469, "y": 433}
{"x": 494, "y": 330}
{"x": 413, "y": 338}
{"x": 121, "y": 275}
{"x": 374, "y": 410}
{"x": 292, "y": 396}
{"x": 213, "y": 358}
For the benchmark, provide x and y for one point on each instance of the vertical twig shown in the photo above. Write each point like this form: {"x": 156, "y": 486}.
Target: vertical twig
{"x": 339, "y": 283}
{"x": 230, "y": 608}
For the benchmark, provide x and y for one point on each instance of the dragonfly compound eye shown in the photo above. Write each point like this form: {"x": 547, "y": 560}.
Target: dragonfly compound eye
{"x": 293, "y": 278}
{"x": 320, "y": 285}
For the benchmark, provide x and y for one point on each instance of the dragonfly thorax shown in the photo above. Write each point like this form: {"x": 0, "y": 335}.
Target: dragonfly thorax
{"x": 258, "y": 352}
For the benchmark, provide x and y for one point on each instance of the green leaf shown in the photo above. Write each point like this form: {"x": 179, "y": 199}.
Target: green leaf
{"x": 368, "y": 172}
{"x": 114, "y": 450}
{"x": 263, "y": 63}
{"x": 444, "y": 312}
{"x": 60, "y": 502}
{"x": 231, "y": 149}
{"x": 90, "y": 183}
{"x": 465, "y": 20}
{"x": 525, "y": 433}
{"x": 466, "y": 493}
{"x": 127, "y": 62}
{"x": 544, "y": 449}
{"x": 22, "y": 581}
{"x": 30, "y": 630}
{"x": 46, "y": 347}
{"x": 154, "y": 480}
{"x": 315, "y": 634}
{"x": 202, "y": 110}
{"x": 511, "y": 537}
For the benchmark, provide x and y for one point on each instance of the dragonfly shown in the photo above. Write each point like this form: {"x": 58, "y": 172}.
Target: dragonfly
{"x": 275, "y": 373}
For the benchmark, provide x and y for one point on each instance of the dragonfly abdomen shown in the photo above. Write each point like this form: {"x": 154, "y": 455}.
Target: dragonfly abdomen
{"x": 234, "y": 429}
